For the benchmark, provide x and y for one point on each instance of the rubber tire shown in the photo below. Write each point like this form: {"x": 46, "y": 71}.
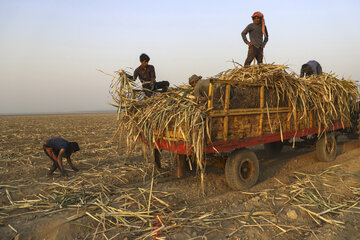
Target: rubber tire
{"x": 321, "y": 152}
{"x": 273, "y": 148}
{"x": 232, "y": 176}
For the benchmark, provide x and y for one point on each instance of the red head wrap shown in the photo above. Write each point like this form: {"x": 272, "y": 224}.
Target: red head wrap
{"x": 261, "y": 16}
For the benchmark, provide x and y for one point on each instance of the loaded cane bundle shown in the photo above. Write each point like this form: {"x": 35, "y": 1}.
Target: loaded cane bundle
{"x": 176, "y": 111}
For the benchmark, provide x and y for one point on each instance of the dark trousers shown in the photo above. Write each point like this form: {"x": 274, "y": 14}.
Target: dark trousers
{"x": 254, "y": 52}
{"x": 149, "y": 88}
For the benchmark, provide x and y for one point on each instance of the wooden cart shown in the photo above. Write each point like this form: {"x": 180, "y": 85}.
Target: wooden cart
{"x": 233, "y": 127}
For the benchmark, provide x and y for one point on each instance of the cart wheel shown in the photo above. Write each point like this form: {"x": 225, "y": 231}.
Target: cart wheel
{"x": 241, "y": 169}
{"x": 273, "y": 148}
{"x": 326, "y": 148}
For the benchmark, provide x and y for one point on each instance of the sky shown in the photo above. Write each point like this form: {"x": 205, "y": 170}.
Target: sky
{"x": 51, "y": 50}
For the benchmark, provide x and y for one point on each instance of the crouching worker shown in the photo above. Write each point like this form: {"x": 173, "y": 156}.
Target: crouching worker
{"x": 201, "y": 87}
{"x": 146, "y": 74}
{"x": 310, "y": 68}
{"x": 56, "y": 148}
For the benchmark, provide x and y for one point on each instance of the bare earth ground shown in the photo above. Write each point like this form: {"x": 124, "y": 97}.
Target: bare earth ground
{"x": 116, "y": 196}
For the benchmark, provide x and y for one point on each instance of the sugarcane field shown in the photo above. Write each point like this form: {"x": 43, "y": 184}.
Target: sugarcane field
{"x": 268, "y": 155}
{"x": 179, "y": 120}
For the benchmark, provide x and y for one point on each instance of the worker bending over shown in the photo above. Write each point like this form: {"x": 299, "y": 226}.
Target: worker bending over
{"x": 310, "y": 68}
{"x": 201, "y": 87}
{"x": 56, "y": 148}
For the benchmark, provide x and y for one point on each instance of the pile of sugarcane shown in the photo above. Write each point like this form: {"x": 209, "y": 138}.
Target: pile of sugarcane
{"x": 144, "y": 120}
{"x": 328, "y": 97}
{"x": 265, "y": 73}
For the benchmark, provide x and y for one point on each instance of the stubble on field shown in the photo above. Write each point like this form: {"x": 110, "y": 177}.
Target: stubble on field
{"x": 118, "y": 195}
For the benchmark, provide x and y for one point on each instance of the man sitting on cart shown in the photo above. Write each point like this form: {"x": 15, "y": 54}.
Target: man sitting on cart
{"x": 146, "y": 74}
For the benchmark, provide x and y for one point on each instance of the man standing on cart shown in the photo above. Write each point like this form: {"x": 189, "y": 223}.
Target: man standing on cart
{"x": 256, "y": 31}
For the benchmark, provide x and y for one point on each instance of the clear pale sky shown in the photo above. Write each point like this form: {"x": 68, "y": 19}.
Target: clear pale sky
{"x": 50, "y": 50}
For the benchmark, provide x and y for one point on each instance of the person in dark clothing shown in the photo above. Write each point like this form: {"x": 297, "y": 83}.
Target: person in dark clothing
{"x": 56, "y": 148}
{"x": 146, "y": 74}
{"x": 310, "y": 68}
{"x": 256, "y": 31}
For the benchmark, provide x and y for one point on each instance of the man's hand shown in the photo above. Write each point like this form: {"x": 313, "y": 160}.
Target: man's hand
{"x": 152, "y": 86}
{"x": 71, "y": 164}
{"x": 75, "y": 169}
{"x": 129, "y": 77}
{"x": 250, "y": 44}
{"x": 64, "y": 173}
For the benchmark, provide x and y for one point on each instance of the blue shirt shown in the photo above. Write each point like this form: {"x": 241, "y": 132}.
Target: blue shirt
{"x": 57, "y": 144}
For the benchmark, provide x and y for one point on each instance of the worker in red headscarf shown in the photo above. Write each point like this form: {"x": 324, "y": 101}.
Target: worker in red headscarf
{"x": 258, "y": 38}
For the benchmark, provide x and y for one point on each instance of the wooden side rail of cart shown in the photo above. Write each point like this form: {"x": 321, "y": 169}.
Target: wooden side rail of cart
{"x": 233, "y": 128}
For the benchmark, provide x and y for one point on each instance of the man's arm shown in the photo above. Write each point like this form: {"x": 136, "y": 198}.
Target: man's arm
{"x": 243, "y": 34}
{"x": 61, "y": 166}
{"x": 266, "y": 37}
{"x": 302, "y": 71}
{"x": 136, "y": 74}
{"x": 129, "y": 76}
{"x": 71, "y": 164}
{"x": 319, "y": 69}
{"x": 152, "y": 75}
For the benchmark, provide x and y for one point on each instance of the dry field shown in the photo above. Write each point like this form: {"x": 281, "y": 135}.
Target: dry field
{"x": 116, "y": 196}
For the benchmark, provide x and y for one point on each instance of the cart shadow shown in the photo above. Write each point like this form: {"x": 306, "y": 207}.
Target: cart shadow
{"x": 271, "y": 166}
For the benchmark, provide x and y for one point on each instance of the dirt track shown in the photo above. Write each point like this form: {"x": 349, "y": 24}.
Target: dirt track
{"x": 272, "y": 209}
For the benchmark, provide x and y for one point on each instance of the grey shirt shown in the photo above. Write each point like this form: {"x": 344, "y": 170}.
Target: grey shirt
{"x": 256, "y": 35}
{"x": 315, "y": 68}
{"x": 202, "y": 88}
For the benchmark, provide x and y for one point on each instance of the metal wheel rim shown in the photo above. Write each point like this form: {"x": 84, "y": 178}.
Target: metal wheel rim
{"x": 246, "y": 170}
